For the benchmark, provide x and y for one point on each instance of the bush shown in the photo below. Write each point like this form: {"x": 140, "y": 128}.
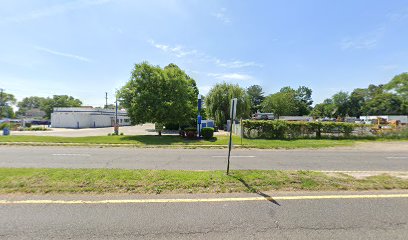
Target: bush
{"x": 279, "y": 129}
{"x": 207, "y": 133}
{"x": 191, "y": 132}
{"x": 28, "y": 124}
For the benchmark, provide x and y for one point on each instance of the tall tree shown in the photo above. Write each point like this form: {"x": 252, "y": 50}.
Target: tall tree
{"x": 399, "y": 84}
{"x": 158, "y": 95}
{"x": 303, "y": 100}
{"x": 256, "y": 96}
{"x": 6, "y": 102}
{"x": 384, "y": 104}
{"x": 325, "y": 109}
{"x": 49, "y": 104}
{"x": 341, "y": 102}
{"x": 29, "y": 103}
{"x": 280, "y": 104}
{"x": 218, "y": 102}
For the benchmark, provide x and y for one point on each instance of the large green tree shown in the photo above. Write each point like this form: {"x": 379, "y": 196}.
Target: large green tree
{"x": 218, "y": 102}
{"x": 341, "y": 102}
{"x": 6, "y": 102}
{"x": 384, "y": 104}
{"x": 256, "y": 96}
{"x": 302, "y": 98}
{"x": 283, "y": 103}
{"x": 325, "y": 109}
{"x": 49, "y": 104}
{"x": 159, "y": 95}
{"x": 29, "y": 103}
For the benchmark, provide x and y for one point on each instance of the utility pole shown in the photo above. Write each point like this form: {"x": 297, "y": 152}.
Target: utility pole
{"x": 116, "y": 118}
{"x": 106, "y": 99}
{"x": 1, "y": 102}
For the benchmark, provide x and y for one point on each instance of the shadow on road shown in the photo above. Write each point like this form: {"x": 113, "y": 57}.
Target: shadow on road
{"x": 251, "y": 189}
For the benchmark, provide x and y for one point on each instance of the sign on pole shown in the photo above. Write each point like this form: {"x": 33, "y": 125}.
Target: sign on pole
{"x": 233, "y": 113}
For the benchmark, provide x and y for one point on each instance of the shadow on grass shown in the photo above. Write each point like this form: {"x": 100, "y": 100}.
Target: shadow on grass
{"x": 251, "y": 189}
{"x": 161, "y": 140}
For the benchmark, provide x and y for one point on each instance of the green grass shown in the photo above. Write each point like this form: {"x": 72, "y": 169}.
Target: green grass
{"x": 221, "y": 141}
{"x": 42, "y": 181}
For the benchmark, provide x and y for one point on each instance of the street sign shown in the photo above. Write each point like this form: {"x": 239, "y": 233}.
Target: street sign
{"x": 233, "y": 114}
{"x": 233, "y": 110}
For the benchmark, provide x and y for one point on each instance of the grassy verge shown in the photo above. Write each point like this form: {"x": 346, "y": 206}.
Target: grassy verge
{"x": 220, "y": 141}
{"x": 164, "y": 181}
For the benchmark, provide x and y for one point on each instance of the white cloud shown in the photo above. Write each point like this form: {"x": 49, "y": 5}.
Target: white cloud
{"x": 54, "y": 10}
{"x": 222, "y": 16}
{"x": 235, "y": 64}
{"x": 367, "y": 40}
{"x": 62, "y": 54}
{"x": 178, "y": 50}
{"x": 231, "y": 76}
{"x": 358, "y": 43}
{"x": 389, "y": 67}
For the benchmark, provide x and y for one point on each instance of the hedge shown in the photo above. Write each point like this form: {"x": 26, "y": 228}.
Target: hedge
{"x": 279, "y": 129}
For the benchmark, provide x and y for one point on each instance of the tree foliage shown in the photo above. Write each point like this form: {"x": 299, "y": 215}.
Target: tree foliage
{"x": 280, "y": 104}
{"x": 29, "y": 103}
{"x": 49, "y": 104}
{"x": 256, "y": 96}
{"x": 159, "y": 95}
{"x": 218, "y": 102}
{"x": 6, "y": 102}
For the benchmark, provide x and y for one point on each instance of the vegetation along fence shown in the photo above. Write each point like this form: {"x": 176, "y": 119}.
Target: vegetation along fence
{"x": 279, "y": 129}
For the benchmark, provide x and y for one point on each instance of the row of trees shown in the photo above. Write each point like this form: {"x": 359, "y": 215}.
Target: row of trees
{"x": 387, "y": 99}
{"x": 168, "y": 95}
{"x": 35, "y": 103}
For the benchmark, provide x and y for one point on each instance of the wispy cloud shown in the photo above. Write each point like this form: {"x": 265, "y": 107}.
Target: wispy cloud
{"x": 398, "y": 16}
{"x": 222, "y": 16}
{"x": 389, "y": 67}
{"x": 235, "y": 64}
{"x": 180, "y": 51}
{"x": 53, "y": 10}
{"x": 231, "y": 76}
{"x": 62, "y": 54}
{"x": 367, "y": 40}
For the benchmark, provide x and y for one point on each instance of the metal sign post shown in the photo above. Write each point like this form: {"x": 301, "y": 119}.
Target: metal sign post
{"x": 233, "y": 113}
{"x": 199, "y": 103}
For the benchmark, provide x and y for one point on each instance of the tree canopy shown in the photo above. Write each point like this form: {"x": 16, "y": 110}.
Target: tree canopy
{"x": 49, "y": 104}
{"x": 218, "y": 102}
{"x": 159, "y": 95}
{"x": 256, "y": 96}
{"x": 6, "y": 102}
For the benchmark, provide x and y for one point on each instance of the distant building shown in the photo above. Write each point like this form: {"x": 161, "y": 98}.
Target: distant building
{"x": 402, "y": 118}
{"x": 296, "y": 118}
{"x": 79, "y": 117}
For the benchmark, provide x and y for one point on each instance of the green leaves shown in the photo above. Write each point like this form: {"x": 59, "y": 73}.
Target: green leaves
{"x": 279, "y": 129}
{"x": 218, "y": 102}
{"x": 159, "y": 95}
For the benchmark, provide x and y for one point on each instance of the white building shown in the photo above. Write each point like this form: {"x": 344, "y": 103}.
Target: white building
{"x": 77, "y": 117}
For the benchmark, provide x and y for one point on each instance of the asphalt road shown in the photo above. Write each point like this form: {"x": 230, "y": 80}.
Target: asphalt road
{"x": 292, "y": 219}
{"x": 204, "y": 159}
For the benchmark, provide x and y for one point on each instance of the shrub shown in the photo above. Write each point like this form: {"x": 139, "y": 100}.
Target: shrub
{"x": 207, "y": 133}
{"x": 28, "y": 124}
{"x": 279, "y": 129}
{"x": 191, "y": 132}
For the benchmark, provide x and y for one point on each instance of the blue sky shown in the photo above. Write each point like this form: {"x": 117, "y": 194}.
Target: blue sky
{"x": 86, "y": 48}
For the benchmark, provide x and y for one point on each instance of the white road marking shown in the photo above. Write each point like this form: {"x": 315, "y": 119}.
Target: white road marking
{"x": 234, "y": 156}
{"x": 71, "y": 154}
{"x": 397, "y": 157}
